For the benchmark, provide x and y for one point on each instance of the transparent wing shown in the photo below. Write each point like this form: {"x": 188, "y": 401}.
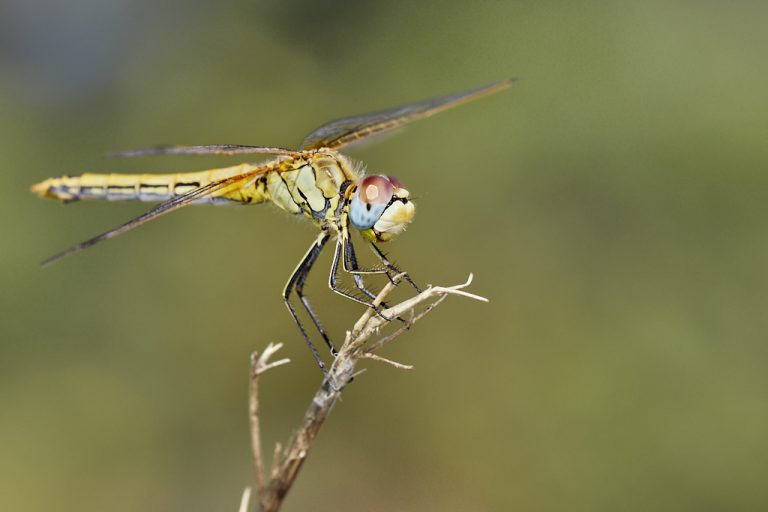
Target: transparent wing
{"x": 349, "y": 130}
{"x": 210, "y": 149}
{"x": 161, "y": 209}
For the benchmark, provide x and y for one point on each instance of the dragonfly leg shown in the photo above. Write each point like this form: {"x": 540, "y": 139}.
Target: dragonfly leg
{"x": 351, "y": 259}
{"x": 392, "y": 267}
{"x": 351, "y": 266}
{"x": 341, "y": 255}
{"x": 296, "y": 283}
{"x": 312, "y": 255}
{"x": 334, "y": 277}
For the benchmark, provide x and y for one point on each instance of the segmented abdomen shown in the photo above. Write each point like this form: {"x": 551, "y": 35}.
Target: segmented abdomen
{"x": 153, "y": 187}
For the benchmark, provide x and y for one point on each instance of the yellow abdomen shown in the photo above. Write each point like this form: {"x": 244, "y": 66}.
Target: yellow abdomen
{"x": 153, "y": 187}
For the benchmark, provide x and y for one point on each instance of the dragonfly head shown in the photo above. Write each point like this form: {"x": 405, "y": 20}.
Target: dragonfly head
{"x": 380, "y": 208}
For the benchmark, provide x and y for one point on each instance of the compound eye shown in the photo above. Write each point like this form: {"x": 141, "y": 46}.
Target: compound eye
{"x": 376, "y": 190}
{"x": 371, "y": 199}
{"x": 395, "y": 182}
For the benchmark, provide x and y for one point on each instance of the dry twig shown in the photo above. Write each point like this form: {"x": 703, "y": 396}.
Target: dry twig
{"x": 287, "y": 463}
{"x": 245, "y": 500}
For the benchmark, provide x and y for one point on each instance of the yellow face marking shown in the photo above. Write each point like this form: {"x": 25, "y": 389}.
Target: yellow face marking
{"x": 368, "y": 234}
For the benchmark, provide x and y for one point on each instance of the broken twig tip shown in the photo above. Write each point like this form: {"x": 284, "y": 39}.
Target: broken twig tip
{"x": 245, "y": 501}
{"x": 376, "y": 357}
{"x": 261, "y": 363}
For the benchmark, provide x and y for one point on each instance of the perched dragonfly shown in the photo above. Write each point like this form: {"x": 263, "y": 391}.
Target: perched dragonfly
{"x": 316, "y": 181}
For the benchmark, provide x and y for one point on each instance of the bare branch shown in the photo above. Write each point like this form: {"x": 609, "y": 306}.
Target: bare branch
{"x": 287, "y": 463}
{"x": 259, "y": 365}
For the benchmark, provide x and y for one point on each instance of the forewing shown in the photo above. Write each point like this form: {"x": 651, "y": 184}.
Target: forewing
{"x": 162, "y": 209}
{"x": 349, "y": 130}
{"x": 210, "y": 149}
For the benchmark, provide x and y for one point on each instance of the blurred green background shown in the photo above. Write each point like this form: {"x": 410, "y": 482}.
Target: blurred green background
{"x": 611, "y": 205}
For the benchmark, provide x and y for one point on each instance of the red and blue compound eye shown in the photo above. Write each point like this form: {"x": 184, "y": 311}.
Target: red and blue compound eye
{"x": 371, "y": 199}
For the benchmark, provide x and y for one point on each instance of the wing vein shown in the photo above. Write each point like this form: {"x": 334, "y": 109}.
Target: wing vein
{"x": 159, "y": 210}
{"x": 349, "y": 130}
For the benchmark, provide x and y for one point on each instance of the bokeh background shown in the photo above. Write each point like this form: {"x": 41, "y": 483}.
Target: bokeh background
{"x": 611, "y": 204}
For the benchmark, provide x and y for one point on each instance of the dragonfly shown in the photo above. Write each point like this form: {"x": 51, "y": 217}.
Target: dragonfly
{"x": 315, "y": 181}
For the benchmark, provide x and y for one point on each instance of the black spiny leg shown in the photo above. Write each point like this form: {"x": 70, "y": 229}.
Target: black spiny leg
{"x": 334, "y": 276}
{"x": 351, "y": 259}
{"x": 296, "y": 281}
{"x": 351, "y": 266}
{"x": 345, "y": 252}
{"x": 391, "y": 266}
{"x": 310, "y": 259}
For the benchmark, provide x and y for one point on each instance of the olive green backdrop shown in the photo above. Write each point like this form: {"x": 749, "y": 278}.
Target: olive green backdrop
{"x": 611, "y": 204}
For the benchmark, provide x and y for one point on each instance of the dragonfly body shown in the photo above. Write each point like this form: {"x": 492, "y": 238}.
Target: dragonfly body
{"x": 315, "y": 181}
{"x": 309, "y": 184}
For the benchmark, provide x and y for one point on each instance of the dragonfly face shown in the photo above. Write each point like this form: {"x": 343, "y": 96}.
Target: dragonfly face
{"x": 315, "y": 181}
{"x": 381, "y": 208}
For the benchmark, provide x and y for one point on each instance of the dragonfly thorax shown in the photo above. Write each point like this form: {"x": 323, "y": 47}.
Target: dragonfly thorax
{"x": 381, "y": 207}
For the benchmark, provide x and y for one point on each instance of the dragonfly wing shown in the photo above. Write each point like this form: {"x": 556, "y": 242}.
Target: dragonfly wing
{"x": 210, "y": 149}
{"x": 349, "y": 130}
{"x": 161, "y": 209}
